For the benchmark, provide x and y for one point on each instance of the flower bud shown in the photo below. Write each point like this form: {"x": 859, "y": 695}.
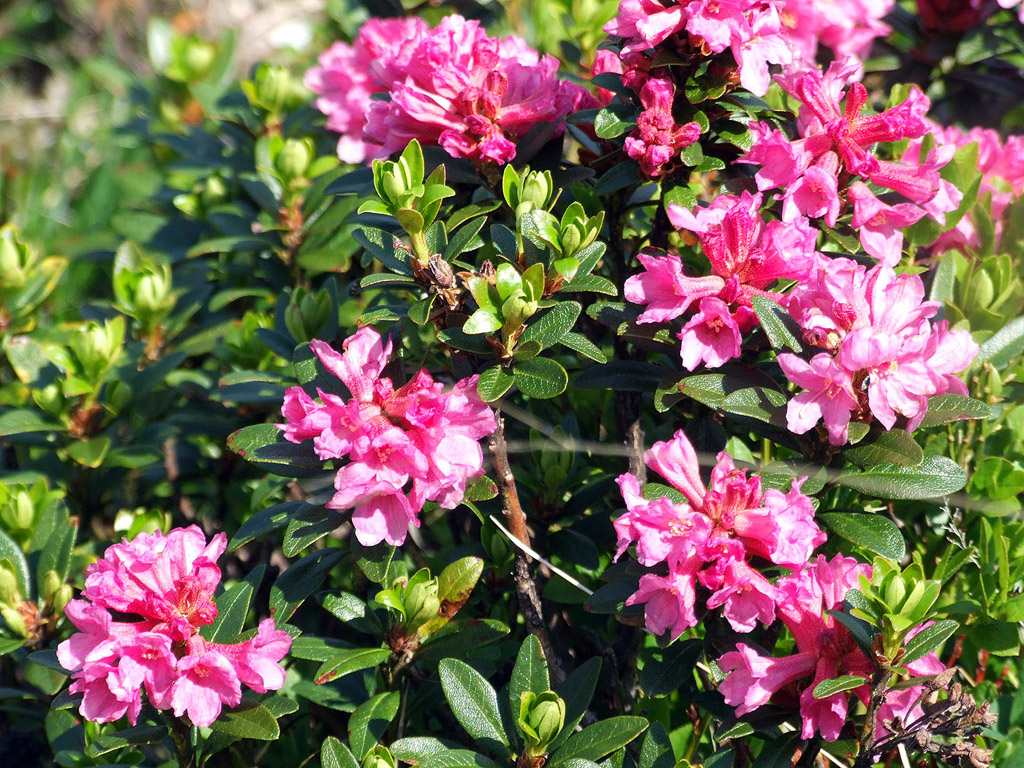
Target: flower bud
{"x": 60, "y": 599}
{"x": 19, "y": 513}
{"x": 541, "y": 717}
{"x": 16, "y": 261}
{"x": 15, "y": 621}
{"x": 9, "y": 594}
{"x": 294, "y": 158}
{"x": 273, "y": 87}
{"x": 98, "y": 347}
{"x": 51, "y": 583}
{"x": 191, "y": 60}
{"x": 307, "y": 313}
{"x": 421, "y": 603}
{"x": 379, "y": 757}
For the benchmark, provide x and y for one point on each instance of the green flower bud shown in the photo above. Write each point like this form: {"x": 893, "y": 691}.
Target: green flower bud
{"x": 191, "y": 59}
{"x": 51, "y": 583}
{"x": 60, "y": 599}
{"x": 145, "y": 292}
{"x": 19, "y": 513}
{"x": 214, "y": 192}
{"x": 15, "y": 621}
{"x": 307, "y": 314}
{"x": 379, "y": 757}
{"x": 294, "y": 158}
{"x": 273, "y": 87}
{"x": 421, "y": 603}
{"x": 541, "y": 717}
{"x": 98, "y": 348}
{"x": 16, "y": 261}
{"x": 9, "y": 594}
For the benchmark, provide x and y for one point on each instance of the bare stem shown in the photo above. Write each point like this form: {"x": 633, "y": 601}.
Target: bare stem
{"x": 526, "y": 587}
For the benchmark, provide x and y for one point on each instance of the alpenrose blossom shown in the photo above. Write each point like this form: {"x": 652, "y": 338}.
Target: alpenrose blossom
{"x": 880, "y": 355}
{"x": 145, "y": 601}
{"x": 825, "y": 650}
{"x": 405, "y": 446}
{"x": 451, "y": 86}
{"x": 711, "y": 539}
{"x": 746, "y": 256}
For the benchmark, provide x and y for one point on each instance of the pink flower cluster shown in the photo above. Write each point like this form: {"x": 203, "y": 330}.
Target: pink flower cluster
{"x": 825, "y": 649}
{"x": 747, "y": 256}
{"x": 452, "y": 86}
{"x": 882, "y": 355}
{"x": 847, "y": 27}
{"x": 1002, "y": 176}
{"x": 658, "y": 138}
{"x": 711, "y": 539}
{"x": 160, "y": 590}
{"x": 836, "y": 143}
{"x": 418, "y": 432}
{"x": 751, "y": 29}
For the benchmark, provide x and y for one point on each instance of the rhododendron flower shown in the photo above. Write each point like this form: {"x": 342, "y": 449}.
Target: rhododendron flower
{"x": 883, "y": 357}
{"x": 452, "y": 86}
{"x": 418, "y": 434}
{"x": 161, "y": 588}
{"x": 747, "y": 256}
{"x": 711, "y": 539}
{"x": 658, "y": 138}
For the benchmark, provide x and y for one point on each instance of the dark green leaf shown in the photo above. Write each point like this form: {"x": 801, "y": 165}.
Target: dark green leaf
{"x": 232, "y": 608}
{"x": 415, "y": 749}
{"x": 373, "y": 561}
{"x": 349, "y": 660}
{"x": 540, "y": 378}
{"x": 835, "y": 685}
{"x": 458, "y": 758}
{"x": 893, "y": 447}
{"x": 928, "y": 640}
{"x": 656, "y": 751}
{"x": 577, "y": 342}
{"x": 475, "y": 704}
{"x": 946, "y": 408}
{"x": 620, "y": 176}
{"x": 933, "y": 477}
{"x": 670, "y": 668}
{"x": 334, "y": 754}
{"x": 622, "y": 376}
{"x": 600, "y": 739}
{"x": 553, "y": 325}
{"x": 369, "y": 722}
{"x": 264, "y": 446}
{"x": 254, "y": 723}
{"x": 350, "y": 610}
{"x": 265, "y": 521}
{"x": 421, "y": 310}
{"x": 300, "y": 581}
{"x": 782, "y": 330}
{"x": 129, "y": 737}
{"x": 459, "y": 638}
{"x": 872, "y": 531}
{"x": 308, "y": 526}
{"x": 25, "y": 420}
{"x": 529, "y": 674}
{"x": 493, "y": 383}
{"x": 462, "y": 240}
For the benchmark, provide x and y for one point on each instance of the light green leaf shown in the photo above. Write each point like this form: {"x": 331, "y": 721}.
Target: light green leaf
{"x": 600, "y": 739}
{"x": 368, "y": 723}
{"x": 928, "y": 640}
{"x": 475, "y": 705}
{"x": 835, "y": 685}
{"x": 541, "y": 378}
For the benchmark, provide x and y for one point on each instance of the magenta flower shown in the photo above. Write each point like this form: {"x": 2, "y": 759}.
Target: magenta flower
{"x": 418, "y": 434}
{"x": 664, "y": 288}
{"x": 829, "y": 396}
{"x": 880, "y": 225}
{"x": 712, "y": 336}
{"x": 711, "y": 539}
{"x": 658, "y": 138}
{"x": 162, "y": 589}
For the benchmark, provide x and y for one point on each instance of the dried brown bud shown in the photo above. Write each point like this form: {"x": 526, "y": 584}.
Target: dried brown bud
{"x": 487, "y": 271}
{"x": 440, "y": 272}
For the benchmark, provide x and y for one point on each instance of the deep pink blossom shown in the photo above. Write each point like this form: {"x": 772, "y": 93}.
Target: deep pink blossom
{"x": 711, "y": 538}
{"x": 711, "y": 336}
{"x": 418, "y": 434}
{"x": 162, "y": 590}
{"x": 658, "y": 138}
{"x": 880, "y": 225}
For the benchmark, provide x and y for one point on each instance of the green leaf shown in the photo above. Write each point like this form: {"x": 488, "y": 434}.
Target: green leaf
{"x": 482, "y": 321}
{"x": 577, "y": 342}
{"x": 835, "y": 685}
{"x": 229, "y": 244}
{"x": 459, "y": 638}
{"x": 129, "y": 737}
{"x": 872, "y": 531}
{"x": 620, "y": 176}
{"x": 529, "y": 674}
{"x": 12, "y": 553}
{"x": 670, "y": 667}
{"x": 263, "y": 445}
{"x": 475, "y": 704}
{"x": 89, "y": 453}
{"x": 300, "y": 581}
{"x": 349, "y": 660}
{"x": 928, "y": 640}
{"x": 265, "y": 521}
{"x": 256, "y": 722}
{"x": 310, "y": 525}
{"x": 1004, "y": 345}
{"x": 369, "y": 722}
{"x": 420, "y": 310}
{"x": 614, "y": 120}
{"x": 458, "y": 758}
{"x": 946, "y": 408}
{"x": 767, "y": 405}
{"x": 600, "y": 739}
{"x": 576, "y": 691}
{"x": 553, "y": 325}
{"x": 232, "y": 608}
{"x": 540, "y": 378}
{"x": 893, "y": 447}
{"x": 998, "y": 637}
{"x": 781, "y": 329}
{"x": 456, "y": 581}
{"x": 656, "y": 751}
{"x": 350, "y": 610}
{"x": 415, "y": 749}
{"x": 935, "y": 476}
{"x": 334, "y": 754}
{"x": 25, "y": 420}
{"x": 373, "y": 561}
{"x": 493, "y": 383}
{"x": 462, "y": 240}
{"x": 943, "y": 280}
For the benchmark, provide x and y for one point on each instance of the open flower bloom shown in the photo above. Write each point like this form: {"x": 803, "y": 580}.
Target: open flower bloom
{"x": 161, "y": 590}
{"x": 711, "y": 539}
{"x": 451, "y": 86}
{"x": 418, "y": 434}
{"x": 882, "y": 358}
{"x": 746, "y": 256}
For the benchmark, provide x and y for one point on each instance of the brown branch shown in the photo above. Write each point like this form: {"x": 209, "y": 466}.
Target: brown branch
{"x": 526, "y": 587}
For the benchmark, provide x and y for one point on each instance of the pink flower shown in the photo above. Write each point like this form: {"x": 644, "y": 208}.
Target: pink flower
{"x": 645, "y": 23}
{"x": 712, "y": 538}
{"x": 658, "y": 138}
{"x": 712, "y": 336}
{"x": 163, "y": 587}
{"x": 752, "y": 679}
{"x": 880, "y": 225}
{"x": 829, "y": 396}
{"x": 417, "y": 433}
{"x": 665, "y": 290}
